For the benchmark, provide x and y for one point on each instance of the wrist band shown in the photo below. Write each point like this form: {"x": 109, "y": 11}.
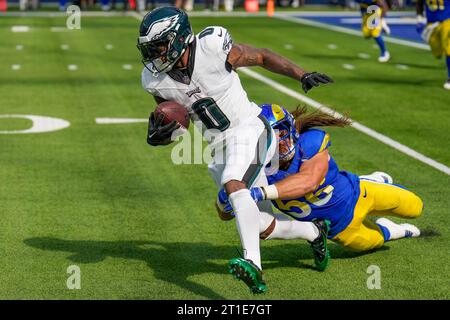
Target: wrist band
{"x": 270, "y": 192}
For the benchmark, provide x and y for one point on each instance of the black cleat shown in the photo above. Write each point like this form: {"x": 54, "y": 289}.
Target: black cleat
{"x": 320, "y": 246}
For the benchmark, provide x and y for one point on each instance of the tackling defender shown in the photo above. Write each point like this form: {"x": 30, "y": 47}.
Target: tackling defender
{"x": 435, "y": 29}
{"x": 199, "y": 73}
{"x": 374, "y": 32}
{"x": 310, "y": 186}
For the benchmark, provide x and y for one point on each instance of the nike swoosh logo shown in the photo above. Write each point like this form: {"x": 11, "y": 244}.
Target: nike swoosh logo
{"x": 151, "y": 135}
{"x": 220, "y": 33}
{"x": 365, "y": 193}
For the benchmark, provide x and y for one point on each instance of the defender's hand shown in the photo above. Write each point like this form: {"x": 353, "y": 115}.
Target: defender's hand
{"x": 257, "y": 194}
{"x": 223, "y": 206}
{"x": 314, "y": 79}
{"x": 159, "y": 134}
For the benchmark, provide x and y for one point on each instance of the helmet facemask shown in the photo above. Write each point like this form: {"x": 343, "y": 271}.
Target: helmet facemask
{"x": 158, "y": 55}
{"x": 286, "y": 146}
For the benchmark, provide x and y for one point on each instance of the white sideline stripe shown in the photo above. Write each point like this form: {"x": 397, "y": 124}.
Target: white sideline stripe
{"x": 370, "y": 132}
{"x": 118, "y": 120}
{"x": 322, "y": 25}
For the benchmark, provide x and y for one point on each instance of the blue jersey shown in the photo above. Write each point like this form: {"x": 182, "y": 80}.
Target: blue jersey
{"x": 336, "y": 196}
{"x": 437, "y": 10}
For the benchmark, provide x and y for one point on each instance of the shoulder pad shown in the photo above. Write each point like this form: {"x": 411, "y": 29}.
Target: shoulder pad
{"x": 313, "y": 141}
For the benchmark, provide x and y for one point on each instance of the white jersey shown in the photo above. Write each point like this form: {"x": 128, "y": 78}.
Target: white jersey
{"x": 214, "y": 97}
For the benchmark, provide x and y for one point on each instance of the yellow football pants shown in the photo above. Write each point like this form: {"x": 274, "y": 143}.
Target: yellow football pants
{"x": 379, "y": 199}
{"x": 440, "y": 39}
{"x": 366, "y": 30}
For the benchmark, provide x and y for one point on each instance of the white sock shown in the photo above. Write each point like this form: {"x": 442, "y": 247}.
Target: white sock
{"x": 286, "y": 229}
{"x": 247, "y": 221}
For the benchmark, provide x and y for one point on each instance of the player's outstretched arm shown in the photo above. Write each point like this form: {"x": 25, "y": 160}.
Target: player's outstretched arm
{"x": 242, "y": 55}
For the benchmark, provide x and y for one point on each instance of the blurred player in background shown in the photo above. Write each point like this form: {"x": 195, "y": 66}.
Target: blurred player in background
{"x": 310, "y": 186}
{"x": 435, "y": 29}
{"x": 373, "y": 27}
{"x": 198, "y": 72}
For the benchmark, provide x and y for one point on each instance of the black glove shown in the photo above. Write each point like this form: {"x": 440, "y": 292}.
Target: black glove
{"x": 159, "y": 134}
{"x": 313, "y": 79}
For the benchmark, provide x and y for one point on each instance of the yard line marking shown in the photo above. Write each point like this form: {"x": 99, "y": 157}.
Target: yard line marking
{"x": 72, "y": 67}
{"x": 332, "y": 46}
{"x": 363, "y": 55}
{"x": 15, "y": 67}
{"x": 20, "y": 28}
{"x": 64, "y": 47}
{"x": 349, "y": 31}
{"x": 370, "y": 132}
{"x": 40, "y": 124}
{"x": 127, "y": 66}
{"x": 19, "y": 47}
{"x": 118, "y": 120}
{"x": 288, "y": 46}
{"x": 402, "y": 66}
{"x": 109, "y": 46}
{"x": 348, "y": 66}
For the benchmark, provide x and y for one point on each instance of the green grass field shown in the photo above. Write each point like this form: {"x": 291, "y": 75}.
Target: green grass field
{"x": 139, "y": 227}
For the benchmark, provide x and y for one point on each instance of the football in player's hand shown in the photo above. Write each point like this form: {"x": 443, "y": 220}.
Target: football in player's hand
{"x": 173, "y": 111}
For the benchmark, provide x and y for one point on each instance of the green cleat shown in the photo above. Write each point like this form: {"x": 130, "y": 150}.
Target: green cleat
{"x": 247, "y": 271}
{"x": 319, "y": 245}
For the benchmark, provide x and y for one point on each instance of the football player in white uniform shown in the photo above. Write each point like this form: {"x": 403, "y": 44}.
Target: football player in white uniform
{"x": 199, "y": 73}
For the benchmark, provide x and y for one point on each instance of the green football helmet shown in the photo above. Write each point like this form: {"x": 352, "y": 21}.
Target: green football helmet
{"x": 164, "y": 35}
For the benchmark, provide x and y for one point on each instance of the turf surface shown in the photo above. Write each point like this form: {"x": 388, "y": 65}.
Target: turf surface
{"x": 98, "y": 197}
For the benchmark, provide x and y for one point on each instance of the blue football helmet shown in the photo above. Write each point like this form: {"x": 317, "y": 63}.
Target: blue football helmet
{"x": 280, "y": 119}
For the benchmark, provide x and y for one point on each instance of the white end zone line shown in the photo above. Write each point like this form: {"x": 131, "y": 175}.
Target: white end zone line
{"x": 372, "y": 133}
